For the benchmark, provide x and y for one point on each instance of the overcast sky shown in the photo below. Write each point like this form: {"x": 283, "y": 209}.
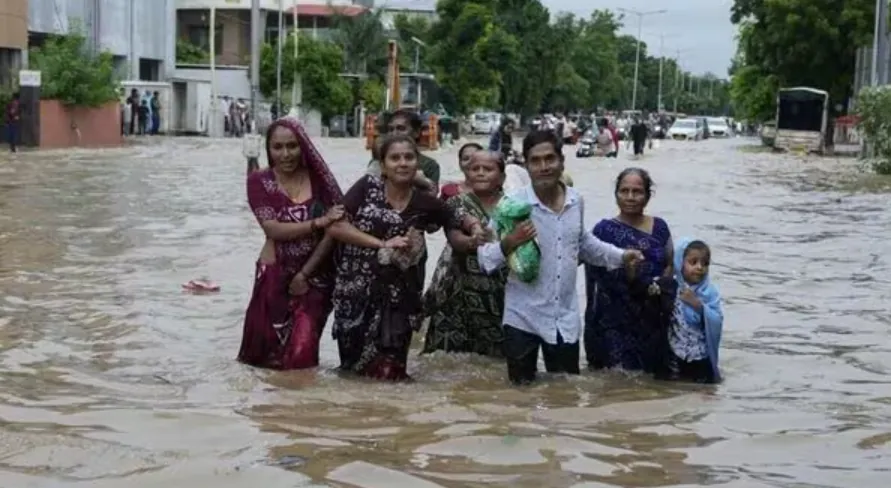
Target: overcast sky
{"x": 701, "y": 29}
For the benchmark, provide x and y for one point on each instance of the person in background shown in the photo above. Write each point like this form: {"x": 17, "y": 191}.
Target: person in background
{"x": 133, "y": 102}
{"x": 455, "y": 188}
{"x": 408, "y": 123}
{"x": 156, "y": 113}
{"x": 639, "y": 133}
{"x": 695, "y": 335}
{"x": 144, "y": 112}
{"x": 13, "y": 121}
{"x": 502, "y": 139}
{"x": 545, "y": 313}
{"x": 226, "y": 108}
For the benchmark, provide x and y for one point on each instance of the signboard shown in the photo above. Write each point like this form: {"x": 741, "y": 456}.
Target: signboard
{"x": 29, "y": 78}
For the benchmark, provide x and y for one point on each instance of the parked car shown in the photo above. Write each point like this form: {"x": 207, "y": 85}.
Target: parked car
{"x": 687, "y": 130}
{"x": 718, "y": 127}
{"x": 485, "y": 122}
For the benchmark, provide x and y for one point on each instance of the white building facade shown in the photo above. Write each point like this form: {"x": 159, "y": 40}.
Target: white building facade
{"x": 141, "y": 34}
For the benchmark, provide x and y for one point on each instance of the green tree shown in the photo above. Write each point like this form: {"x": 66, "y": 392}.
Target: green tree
{"x": 373, "y": 92}
{"x": 363, "y": 41}
{"x": 320, "y": 65}
{"x": 469, "y": 47}
{"x": 407, "y": 28}
{"x": 797, "y": 42}
{"x": 73, "y": 74}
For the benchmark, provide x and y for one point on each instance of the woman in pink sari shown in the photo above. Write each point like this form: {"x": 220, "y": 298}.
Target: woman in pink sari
{"x": 294, "y": 201}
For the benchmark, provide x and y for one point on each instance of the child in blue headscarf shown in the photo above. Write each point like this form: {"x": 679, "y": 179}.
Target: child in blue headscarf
{"x": 695, "y": 335}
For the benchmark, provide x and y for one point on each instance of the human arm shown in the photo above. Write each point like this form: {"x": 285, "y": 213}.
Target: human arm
{"x": 300, "y": 283}
{"x": 493, "y": 255}
{"x": 344, "y": 231}
{"x": 669, "y": 258}
{"x": 594, "y": 251}
{"x": 264, "y": 211}
{"x": 427, "y": 178}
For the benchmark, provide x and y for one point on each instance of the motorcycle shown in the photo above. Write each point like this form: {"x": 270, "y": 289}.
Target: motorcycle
{"x": 586, "y": 147}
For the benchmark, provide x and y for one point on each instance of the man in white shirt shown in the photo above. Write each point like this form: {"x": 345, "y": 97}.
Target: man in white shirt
{"x": 545, "y": 312}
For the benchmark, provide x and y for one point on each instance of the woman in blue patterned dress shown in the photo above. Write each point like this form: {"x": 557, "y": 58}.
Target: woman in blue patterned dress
{"x": 620, "y": 329}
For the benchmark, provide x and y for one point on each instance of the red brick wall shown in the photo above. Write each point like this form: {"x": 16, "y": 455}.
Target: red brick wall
{"x": 97, "y": 127}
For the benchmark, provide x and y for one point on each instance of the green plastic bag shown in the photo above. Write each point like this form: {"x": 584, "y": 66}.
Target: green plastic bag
{"x": 525, "y": 261}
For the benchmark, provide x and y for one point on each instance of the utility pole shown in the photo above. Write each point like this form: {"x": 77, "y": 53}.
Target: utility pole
{"x": 251, "y": 147}
{"x": 640, "y": 16}
{"x": 278, "y": 59}
{"x": 296, "y": 88}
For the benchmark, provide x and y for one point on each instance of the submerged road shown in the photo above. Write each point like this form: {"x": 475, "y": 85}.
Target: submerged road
{"x": 112, "y": 377}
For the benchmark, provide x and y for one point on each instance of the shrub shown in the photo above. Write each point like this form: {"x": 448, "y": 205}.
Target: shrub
{"x": 72, "y": 74}
{"x": 874, "y": 110}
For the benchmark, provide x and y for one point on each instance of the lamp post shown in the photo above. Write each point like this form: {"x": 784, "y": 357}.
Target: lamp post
{"x": 640, "y": 16}
{"x": 418, "y": 45}
{"x": 661, "y": 69}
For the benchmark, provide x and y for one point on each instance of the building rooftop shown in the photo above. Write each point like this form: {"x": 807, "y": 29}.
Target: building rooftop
{"x": 414, "y": 5}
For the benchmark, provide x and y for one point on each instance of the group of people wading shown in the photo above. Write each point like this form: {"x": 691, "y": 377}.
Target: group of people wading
{"x": 650, "y": 304}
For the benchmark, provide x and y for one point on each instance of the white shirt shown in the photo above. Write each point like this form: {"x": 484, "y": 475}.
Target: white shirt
{"x": 550, "y": 304}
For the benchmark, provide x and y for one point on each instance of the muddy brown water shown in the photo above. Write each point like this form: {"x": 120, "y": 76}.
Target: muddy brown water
{"x": 111, "y": 376}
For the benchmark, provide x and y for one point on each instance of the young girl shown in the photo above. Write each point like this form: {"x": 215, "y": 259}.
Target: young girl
{"x": 695, "y": 335}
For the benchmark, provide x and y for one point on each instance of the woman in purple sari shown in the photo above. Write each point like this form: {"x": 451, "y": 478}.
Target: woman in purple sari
{"x": 621, "y": 327}
{"x": 294, "y": 201}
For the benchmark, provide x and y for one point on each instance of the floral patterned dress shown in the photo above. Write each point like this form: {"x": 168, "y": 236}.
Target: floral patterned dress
{"x": 377, "y": 295}
{"x": 465, "y": 305}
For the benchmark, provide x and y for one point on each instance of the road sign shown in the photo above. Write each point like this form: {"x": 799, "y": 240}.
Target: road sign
{"x": 29, "y": 78}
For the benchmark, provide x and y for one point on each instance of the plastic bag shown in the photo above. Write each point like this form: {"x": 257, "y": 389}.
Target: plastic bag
{"x": 525, "y": 261}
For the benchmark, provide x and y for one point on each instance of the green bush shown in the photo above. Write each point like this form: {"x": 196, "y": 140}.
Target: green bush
{"x": 188, "y": 53}
{"x": 874, "y": 110}
{"x": 72, "y": 74}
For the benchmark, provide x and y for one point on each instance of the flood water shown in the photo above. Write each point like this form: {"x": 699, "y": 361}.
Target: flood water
{"x": 112, "y": 377}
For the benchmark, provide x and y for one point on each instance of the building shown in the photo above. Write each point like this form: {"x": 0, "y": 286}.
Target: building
{"x": 425, "y": 9}
{"x": 13, "y": 37}
{"x": 138, "y": 33}
{"x": 232, "y": 32}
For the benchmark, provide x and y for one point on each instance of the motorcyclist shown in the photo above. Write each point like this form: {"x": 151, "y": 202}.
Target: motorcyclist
{"x": 502, "y": 139}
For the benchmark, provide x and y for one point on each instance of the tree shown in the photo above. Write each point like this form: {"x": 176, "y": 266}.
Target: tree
{"x": 373, "y": 92}
{"x": 363, "y": 41}
{"x": 320, "y": 65}
{"x": 72, "y": 73}
{"x": 797, "y": 42}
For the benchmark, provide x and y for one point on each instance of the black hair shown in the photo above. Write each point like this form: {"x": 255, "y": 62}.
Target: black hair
{"x": 478, "y": 147}
{"x": 537, "y": 137}
{"x": 414, "y": 120}
{"x": 644, "y": 175}
{"x": 699, "y": 246}
{"x": 388, "y": 141}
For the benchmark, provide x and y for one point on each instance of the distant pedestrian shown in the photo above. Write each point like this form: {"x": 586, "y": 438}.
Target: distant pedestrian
{"x": 13, "y": 121}
{"x": 156, "y": 113}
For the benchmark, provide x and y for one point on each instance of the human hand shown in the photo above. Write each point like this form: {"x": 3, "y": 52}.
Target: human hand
{"x": 333, "y": 214}
{"x": 299, "y": 285}
{"x": 398, "y": 242}
{"x": 632, "y": 257}
{"x": 522, "y": 234}
{"x": 689, "y": 297}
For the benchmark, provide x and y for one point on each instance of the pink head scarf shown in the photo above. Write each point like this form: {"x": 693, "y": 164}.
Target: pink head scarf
{"x": 324, "y": 184}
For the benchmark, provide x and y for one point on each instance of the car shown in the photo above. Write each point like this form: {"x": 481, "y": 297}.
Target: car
{"x": 718, "y": 127}
{"x": 485, "y": 122}
{"x": 687, "y": 130}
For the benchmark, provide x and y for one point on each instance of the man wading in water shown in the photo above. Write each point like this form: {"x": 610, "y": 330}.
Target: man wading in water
{"x": 639, "y": 134}
{"x": 545, "y": 313}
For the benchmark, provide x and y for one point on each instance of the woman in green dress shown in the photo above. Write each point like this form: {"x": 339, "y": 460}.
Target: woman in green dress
{"x": 463, "y": 303}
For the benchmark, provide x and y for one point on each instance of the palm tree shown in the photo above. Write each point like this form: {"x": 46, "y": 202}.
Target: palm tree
{"x": 363, "y": 40}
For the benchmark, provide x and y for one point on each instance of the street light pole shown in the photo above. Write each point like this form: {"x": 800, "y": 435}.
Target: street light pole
{"x": 640, "y": 16}
{"x": 278, "y": 59}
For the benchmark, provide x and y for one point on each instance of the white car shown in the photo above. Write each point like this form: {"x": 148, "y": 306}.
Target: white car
{"x": 718, "y": 127}
{"x": 485, "y": 122}
{"x": 686, "y": 130}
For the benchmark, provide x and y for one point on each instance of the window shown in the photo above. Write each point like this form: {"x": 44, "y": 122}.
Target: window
{"x": 199, "y": 35}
